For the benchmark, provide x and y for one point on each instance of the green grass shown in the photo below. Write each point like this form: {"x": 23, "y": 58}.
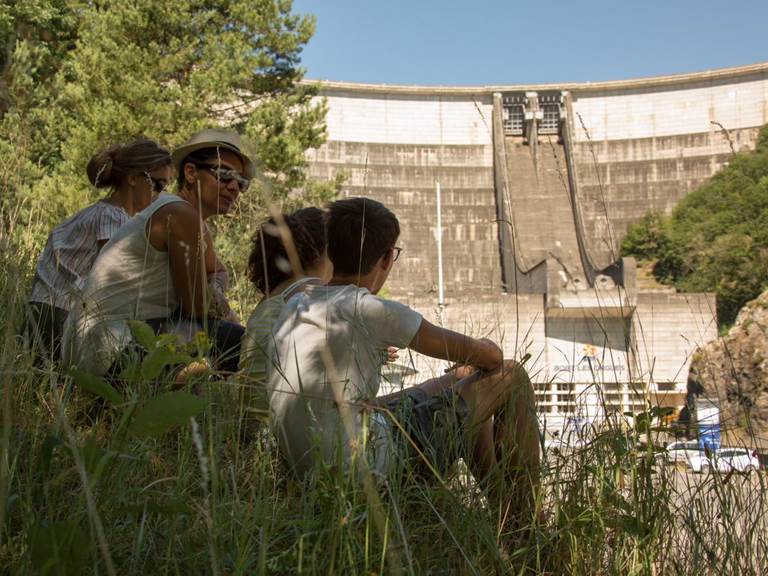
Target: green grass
{"x": 85, "y": 487}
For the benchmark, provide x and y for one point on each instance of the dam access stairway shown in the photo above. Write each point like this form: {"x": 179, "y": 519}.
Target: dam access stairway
{"x": 540, "y": 218}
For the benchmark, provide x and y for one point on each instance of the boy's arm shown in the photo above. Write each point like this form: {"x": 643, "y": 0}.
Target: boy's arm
{"x": 437, "y": 342}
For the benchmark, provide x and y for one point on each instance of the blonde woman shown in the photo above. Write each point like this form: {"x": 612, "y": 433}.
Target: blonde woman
{"x": 134, "y": 173}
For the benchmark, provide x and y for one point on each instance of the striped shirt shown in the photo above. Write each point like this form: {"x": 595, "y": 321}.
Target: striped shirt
{"x": 71, "y": 251}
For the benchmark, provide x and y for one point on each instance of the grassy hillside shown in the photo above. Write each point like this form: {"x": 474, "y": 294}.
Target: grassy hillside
{"x": 133, "y": 481}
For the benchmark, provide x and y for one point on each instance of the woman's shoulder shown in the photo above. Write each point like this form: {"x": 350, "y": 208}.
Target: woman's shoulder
{"x": 166, "y": 202}
{"x": 95, "y": 221}
{"x": 169, "y": 205}
{"x": 94, "y": 213}
{"x": 104, "y": 207}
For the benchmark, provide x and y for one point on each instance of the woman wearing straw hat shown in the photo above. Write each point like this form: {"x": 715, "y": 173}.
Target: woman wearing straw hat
{"x": 159, "y": 266}
{"x": 134, "y": 173}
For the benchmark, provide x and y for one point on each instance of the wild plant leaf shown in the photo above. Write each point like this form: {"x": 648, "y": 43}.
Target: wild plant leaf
{"x": 96, "y": 385}
{"x": 95, "y": 458}
{"x": 45, "y": 457}
{"x": 131, "y": 372}
{"x": 619, "y": 444}
{"x": 642, "y": 422}
{"x": 165, "y": 412}
{"x": 159, "y": 358}
{"x": 143, "y": 334}
{"x": 630, "y": 524}
{"x": 662, "y": 411}
{"x": 201, "y": 342}
{"x": 170, "y": 341}
{"x": 59, "y": 548}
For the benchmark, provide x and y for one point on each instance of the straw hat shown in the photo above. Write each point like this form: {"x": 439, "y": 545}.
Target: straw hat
{"x": 213, "y": 138}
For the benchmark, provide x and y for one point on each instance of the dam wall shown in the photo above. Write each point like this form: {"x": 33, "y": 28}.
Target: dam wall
{"x": 396, "y": 149}
{"x": 645, "y": 146}
{"x": 538, "y": 185}
{"x": 634, "y": 146}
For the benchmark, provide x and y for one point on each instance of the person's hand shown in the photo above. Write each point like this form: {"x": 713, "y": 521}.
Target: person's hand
{"x": 219, "y": 304}
{"x": 392, "y": 354}
{"x": 492, "y": 355}
{"x": 462, "y": 370}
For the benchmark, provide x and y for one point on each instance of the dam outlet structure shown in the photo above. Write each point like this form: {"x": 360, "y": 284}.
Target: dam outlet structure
{"x": 538, "y": 185}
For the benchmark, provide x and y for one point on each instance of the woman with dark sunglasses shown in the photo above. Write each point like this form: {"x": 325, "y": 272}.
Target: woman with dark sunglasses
{"x": 161, "y": 268}
{"x": 134, "y": 173}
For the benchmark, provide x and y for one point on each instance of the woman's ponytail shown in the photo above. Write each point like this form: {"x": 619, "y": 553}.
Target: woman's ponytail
{"x": 109, "y": 167}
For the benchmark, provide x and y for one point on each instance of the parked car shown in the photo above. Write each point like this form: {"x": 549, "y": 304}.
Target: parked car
{"x": 678, "y": 451}
{"x": 725, "y": 460}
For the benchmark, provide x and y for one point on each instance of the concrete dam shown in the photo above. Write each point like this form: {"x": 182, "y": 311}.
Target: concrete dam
{"x": 538, "y": 184}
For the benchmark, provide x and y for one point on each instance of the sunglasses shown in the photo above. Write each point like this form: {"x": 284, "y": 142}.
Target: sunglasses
{"x": 158, "y": 185}
{"x": 226, "y": 175}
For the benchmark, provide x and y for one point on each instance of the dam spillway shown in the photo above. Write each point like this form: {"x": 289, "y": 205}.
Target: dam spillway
{"x": 541, "y": 212}
{"x": 538, "y": 186}
{"x": 537, "y": 221}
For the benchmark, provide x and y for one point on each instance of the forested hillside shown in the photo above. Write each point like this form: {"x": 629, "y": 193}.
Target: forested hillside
{"x": 716, "y": 239}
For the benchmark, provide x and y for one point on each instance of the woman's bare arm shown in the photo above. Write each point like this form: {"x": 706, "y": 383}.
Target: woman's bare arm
{"x": 214, "y": 266}
{"x": 177, "y": 229}
{"x": 218, "y": 283}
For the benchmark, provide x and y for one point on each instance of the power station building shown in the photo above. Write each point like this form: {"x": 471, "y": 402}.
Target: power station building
{"x": 537, "y": 186}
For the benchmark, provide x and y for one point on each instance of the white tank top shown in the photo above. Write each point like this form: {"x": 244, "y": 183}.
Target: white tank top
{"x": 130, "y": 280}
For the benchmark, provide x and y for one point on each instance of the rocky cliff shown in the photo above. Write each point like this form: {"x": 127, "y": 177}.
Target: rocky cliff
{"x": 734, "y": 369}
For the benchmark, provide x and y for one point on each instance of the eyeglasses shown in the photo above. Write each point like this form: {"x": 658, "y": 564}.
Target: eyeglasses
{"x": 396, "y": 250}
{"x": 226, "y": 175}
{"x": 158, "y": 185}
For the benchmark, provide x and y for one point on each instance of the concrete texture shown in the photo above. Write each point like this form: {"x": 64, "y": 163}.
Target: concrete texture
{"x": 404, "y": 178}
{"x": 541, "y": 208}
{"x": 667, "y": 329}
{"x": 539, "y": 216}
{"x": 733, "y": 370}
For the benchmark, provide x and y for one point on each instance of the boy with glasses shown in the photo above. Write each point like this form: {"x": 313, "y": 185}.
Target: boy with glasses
{"x": 326, "y": 356}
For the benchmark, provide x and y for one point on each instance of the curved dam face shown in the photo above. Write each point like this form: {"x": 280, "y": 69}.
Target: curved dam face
{"x": 396, "y": 149}
{"x": 647, "y": 145}
{"x": 538, "y": 185}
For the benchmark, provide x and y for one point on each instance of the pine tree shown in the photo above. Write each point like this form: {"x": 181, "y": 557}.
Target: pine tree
{"x": 78, "y": 75}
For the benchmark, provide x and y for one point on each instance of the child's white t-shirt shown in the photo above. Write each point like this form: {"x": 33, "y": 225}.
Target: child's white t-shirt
{"x": 329, "y": 344}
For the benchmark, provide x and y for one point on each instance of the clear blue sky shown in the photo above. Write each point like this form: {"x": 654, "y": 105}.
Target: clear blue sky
{"x": 477, "y": 42}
